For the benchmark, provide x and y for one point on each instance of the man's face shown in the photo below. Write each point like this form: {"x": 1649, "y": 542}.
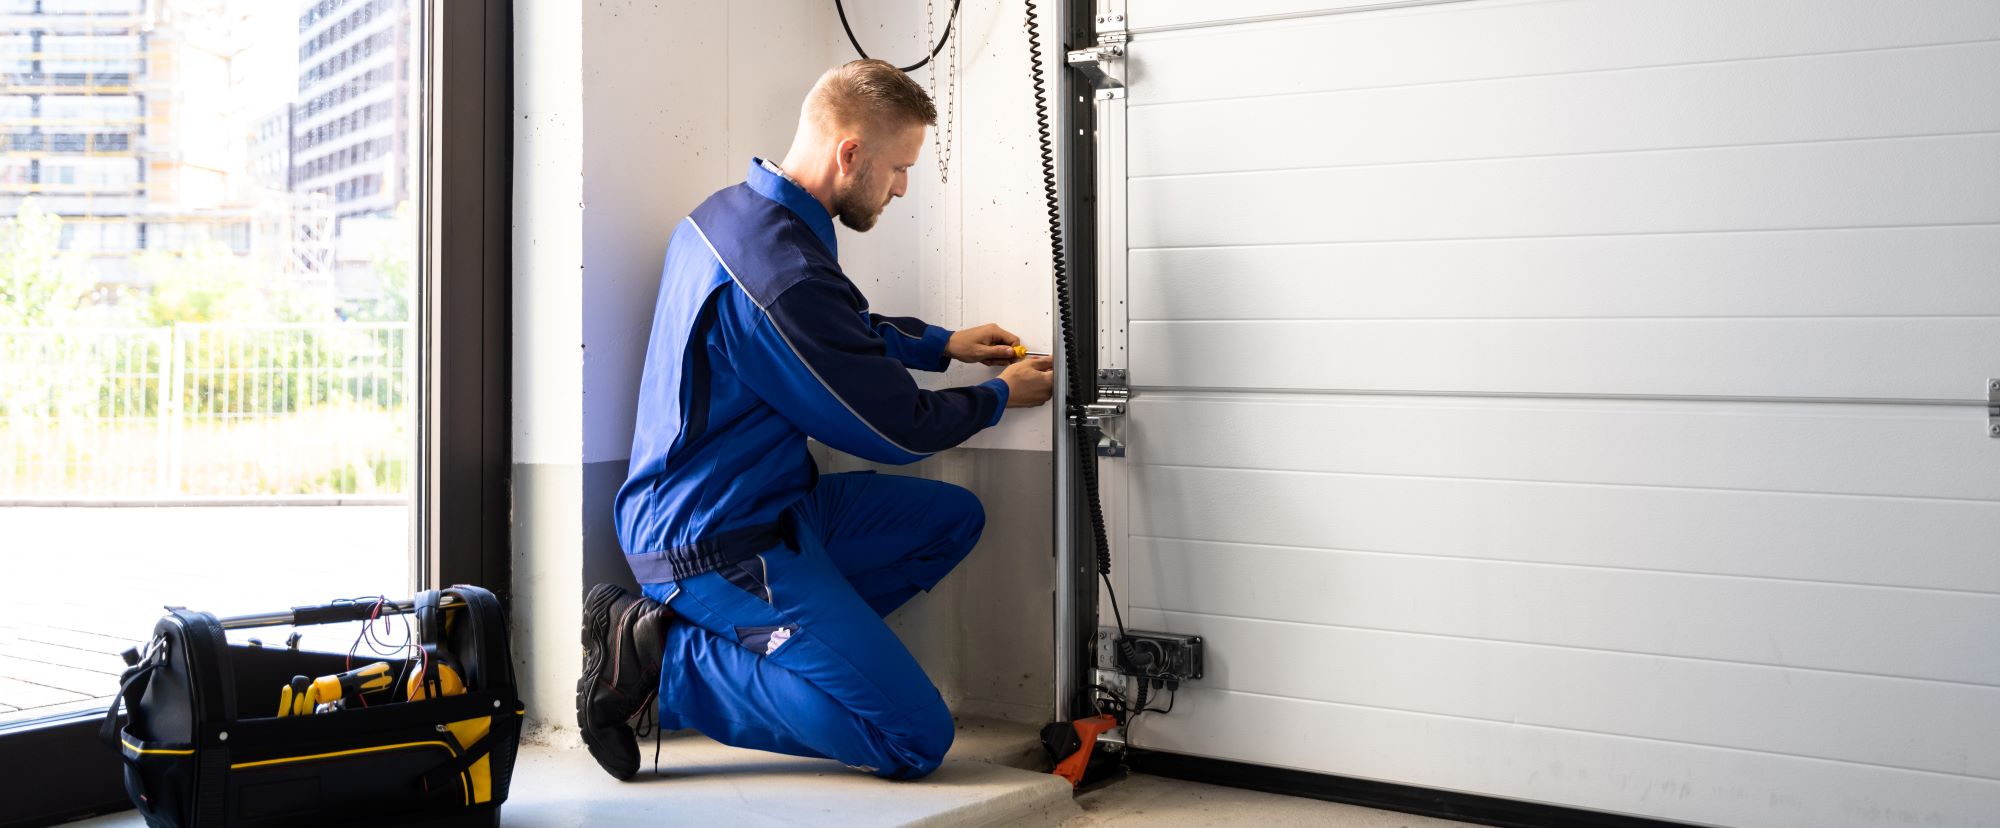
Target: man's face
{"x": 878, "y": 171}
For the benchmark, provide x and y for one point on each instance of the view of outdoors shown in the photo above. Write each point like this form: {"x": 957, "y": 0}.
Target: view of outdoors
{"x": 207, "y": 236}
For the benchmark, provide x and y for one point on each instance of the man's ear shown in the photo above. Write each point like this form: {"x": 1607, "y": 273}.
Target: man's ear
{"x": 846, "y": 155}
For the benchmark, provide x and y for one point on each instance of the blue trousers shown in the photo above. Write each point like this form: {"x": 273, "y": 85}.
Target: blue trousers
{"x": 787, "y": 651}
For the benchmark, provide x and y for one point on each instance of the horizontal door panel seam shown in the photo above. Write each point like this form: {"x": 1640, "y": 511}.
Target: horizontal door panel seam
{"x": 1544, "y": 395}
{"x": 1619, "y": 234}
{"x": 1592, "y": 484}
{"x": 1485, "y": 159}
{"x": 1138, "y": 50}
{"x": 1574, "y": 647}
{"x": 1280, "y": 696}
{"x": 1561, "y": 564}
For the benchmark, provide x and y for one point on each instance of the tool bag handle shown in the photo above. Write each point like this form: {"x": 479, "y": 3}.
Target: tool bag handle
{"x": 489, "y": 667}
{"x": 130, "y": 687}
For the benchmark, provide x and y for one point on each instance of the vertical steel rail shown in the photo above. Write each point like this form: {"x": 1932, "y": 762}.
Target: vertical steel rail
{"x": 1066, "y": 678}
{"x": 1074, "y": 122}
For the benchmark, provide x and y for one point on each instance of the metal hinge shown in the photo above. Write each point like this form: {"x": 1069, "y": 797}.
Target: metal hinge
{"x": 1993, "y": 408}
{"x": 1104, "y": 63}
{"x": 1112, "y": 395}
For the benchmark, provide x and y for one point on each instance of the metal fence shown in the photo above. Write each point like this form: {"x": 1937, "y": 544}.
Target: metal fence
{"x": 206, "y": 410}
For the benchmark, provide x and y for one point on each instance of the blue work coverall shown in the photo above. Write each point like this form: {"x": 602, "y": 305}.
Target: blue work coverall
{"x": 759, "y": 341}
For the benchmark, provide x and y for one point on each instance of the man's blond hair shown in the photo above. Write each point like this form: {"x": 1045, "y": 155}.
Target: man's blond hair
{"x": 867, "y": 94}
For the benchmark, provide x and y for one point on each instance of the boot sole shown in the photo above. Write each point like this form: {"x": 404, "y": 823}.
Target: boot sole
{"x": 596, "y": 625}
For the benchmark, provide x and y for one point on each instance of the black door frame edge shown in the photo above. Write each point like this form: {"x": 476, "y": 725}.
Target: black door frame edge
{"x": 464, "y": 498}
{"x": 1388, "y": 796}
{"x": 62, "y": 771}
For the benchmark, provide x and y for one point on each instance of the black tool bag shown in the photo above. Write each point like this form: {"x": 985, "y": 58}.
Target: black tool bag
{"x": 203, "y": 746}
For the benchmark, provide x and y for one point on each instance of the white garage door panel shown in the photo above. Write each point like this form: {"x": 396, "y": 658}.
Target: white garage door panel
{"x": 1670, "y": 780}
{"x": 1753, "y": 707}
{"x": 1906, "y": 633}
{"x": 1883, "y": 358}
{"x": 1150, "y": 14}
{"x": 1889, "y": 271}
{"x": 1577, "y": 401}
{"x": 1939, "y": 544}
{"x": 1871, "y": 183}
{"x": 1482, "y": 40}
{"x": 1912, "y": 451}
{"x": 1859, "y": 95}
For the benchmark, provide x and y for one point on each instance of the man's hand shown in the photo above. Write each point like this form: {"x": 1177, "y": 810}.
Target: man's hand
{"x": 1030, "y": 382}
{"x": 989, "y": 344}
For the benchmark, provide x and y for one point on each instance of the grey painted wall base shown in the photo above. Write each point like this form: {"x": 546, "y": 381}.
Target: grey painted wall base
{"x": 985, "y": 634}
{"x": 603, "y": 557}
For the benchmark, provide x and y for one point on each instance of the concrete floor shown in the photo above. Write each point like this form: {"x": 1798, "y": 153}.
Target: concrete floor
{"x": 704, "y": 783}
{"x": 1142, "y": 801}
{"x": 993, "y": 778}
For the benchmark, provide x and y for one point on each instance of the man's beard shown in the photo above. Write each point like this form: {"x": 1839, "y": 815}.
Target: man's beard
{"x": 854, "y": 207}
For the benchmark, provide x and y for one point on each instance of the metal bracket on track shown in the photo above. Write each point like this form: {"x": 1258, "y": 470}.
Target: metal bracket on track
{"x": 1993, "y": 408}
{"x": 1112, "y": 395}
{"x": 1104, "y": 63}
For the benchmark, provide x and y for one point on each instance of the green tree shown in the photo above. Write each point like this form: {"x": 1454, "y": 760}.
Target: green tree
{"x": 40, "y": 286}
{"x": 208, "y": 282}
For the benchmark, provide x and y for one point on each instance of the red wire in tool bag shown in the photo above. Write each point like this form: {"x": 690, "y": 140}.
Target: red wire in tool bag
{"x": 375, "y": 643}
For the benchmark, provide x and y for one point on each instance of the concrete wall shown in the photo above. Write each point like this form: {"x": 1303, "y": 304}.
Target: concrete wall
{"x": 547, "y": 332}
{"x": 629, "y": 114}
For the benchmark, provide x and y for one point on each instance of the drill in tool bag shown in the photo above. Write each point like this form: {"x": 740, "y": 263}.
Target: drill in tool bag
{"x": 326, "y": 693}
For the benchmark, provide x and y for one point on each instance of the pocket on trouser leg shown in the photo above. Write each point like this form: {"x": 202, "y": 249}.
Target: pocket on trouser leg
{"x": 765, "y": 640}
{"x": 752, "y": 575}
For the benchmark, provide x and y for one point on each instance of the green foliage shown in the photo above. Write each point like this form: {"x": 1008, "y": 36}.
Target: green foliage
{"x": 89, "y": 375}
{"x": 39, "y": 285}
{"x": 207, "y": 282}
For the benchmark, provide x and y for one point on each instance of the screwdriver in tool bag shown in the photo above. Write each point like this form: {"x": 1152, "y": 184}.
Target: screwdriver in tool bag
{"x": 292, "y": 698}
{"x": 297, "y": 700}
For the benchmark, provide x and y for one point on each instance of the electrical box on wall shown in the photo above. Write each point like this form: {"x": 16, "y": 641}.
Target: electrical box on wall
{"x": 1159, "y": 657}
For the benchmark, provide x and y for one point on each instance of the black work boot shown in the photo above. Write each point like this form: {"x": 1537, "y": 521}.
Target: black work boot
{"x": 624, "y": 636}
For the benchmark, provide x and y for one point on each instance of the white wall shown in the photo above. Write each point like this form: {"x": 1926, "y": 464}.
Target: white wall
{"x": 547, "y": 328}
{"x": 979, "y": 239}
{"x": 678, "y": 97}
{"x": 547, "y": 232}
{"x": 628, "y": 115}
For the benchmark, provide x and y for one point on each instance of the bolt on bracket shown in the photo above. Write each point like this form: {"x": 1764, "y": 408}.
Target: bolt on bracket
{"x": 1993, "y": 408}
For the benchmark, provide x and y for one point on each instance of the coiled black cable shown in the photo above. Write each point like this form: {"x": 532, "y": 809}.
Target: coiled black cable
{"x": 851, "y": 41}
{"x": 1080, "y": 431}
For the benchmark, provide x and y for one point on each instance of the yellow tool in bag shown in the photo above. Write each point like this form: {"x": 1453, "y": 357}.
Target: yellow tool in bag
{"x": 428, "y": 738}
{"x": 302, "y": 695}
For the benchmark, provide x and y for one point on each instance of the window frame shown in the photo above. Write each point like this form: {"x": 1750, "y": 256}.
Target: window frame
{"x": 460, "y": 501}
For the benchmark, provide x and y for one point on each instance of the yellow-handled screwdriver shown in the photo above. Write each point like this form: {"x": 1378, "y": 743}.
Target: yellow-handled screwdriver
{"x": 1022, "y": 352}
{"x": 292, "y": 699}
{"x": 368, "y": 679}
{"x": 305, "y": 695}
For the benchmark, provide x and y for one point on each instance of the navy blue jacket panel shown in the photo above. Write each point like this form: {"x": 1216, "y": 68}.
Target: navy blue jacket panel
{"x": 759, "y": 341}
